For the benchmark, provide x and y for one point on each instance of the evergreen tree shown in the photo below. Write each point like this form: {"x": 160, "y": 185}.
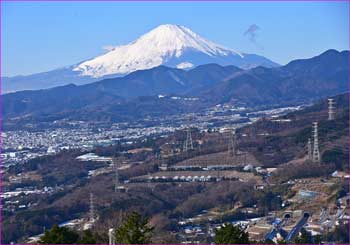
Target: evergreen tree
{"x": 339, "y": 235}
{"x": 317, "y": 239}
{"x": 134, "y": 230}
{"x": 87, "y": 238}
{"x": 59, "y": 235}
{"x": 304, "y": 238}
{"x": 230, "y": 234}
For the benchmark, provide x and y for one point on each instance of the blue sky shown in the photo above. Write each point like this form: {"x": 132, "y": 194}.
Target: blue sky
{"x": 41, "y": 36}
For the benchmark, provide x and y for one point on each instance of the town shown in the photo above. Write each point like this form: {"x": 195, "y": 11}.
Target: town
{"x": 206, "y": 156}
{"x": 23, "y": 144}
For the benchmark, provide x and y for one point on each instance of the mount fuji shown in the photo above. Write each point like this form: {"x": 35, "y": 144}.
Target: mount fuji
{"x": 168, "y": 45}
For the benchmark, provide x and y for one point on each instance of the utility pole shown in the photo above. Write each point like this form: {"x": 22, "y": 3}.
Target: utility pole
{"x": 331, "y": 107}
{"x": 245, "y": 158}
{"x": 316, "y": 151}
{"x": 111, "y": 236}
{"x": 149, "y": 181}
{"x": 253, "y": 132}
{"x": 116, "y": 180}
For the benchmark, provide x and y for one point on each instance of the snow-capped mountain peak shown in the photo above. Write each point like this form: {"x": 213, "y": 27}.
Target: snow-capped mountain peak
{"x": 165, "y": 44}
{"x": 177, "y": 38}
{"x": 174, "y": 46}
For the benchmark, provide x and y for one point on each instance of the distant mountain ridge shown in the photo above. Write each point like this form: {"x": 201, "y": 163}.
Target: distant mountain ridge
{"x": 109, "y": 93}
{"x": 136, "y": 94}
{"x": 169, "y": 45}
{"x": 300, "y": 80}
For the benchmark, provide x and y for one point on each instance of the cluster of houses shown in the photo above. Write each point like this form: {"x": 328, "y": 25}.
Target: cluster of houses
{"x": 181, "y": 178}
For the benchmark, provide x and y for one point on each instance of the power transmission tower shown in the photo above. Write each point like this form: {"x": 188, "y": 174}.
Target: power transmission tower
{"x": 316, "y": 151}
{"x": 331, "y": 107}
{"x": 92, "y": 211}
{"x": 309, "y": 149}
{"x": 323, "y": 215}
{"x": 188, "y": 144}
{"x": 232, "y": 147}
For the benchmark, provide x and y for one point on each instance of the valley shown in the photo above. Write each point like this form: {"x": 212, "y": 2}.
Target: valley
{"x": 188, "y": 192}
{"x": 117, "y": 128}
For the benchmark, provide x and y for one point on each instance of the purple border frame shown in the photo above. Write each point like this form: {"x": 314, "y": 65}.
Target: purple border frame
{"x": 197, "y": 1}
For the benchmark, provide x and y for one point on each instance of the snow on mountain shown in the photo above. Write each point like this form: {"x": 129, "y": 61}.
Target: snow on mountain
{"x": 163, "y": 45}
{"x": 169, "y": 45}
{"x": 184, "y": 65}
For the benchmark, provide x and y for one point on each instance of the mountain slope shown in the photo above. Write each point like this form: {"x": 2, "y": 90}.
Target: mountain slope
{"x": 169, "y": 45}
{"x": 43, "y": 80}
{"x": 116, "y": 94}
{"x": 164, "y": 80}
{"x": 299, "y": 81}
{"x": 50, "y": 102}
{"x": 295, "y": 83}
{"x": 288, "y": 140}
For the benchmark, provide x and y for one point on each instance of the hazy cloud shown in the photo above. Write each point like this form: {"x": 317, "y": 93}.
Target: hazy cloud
{"x": 251, "y": 32}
